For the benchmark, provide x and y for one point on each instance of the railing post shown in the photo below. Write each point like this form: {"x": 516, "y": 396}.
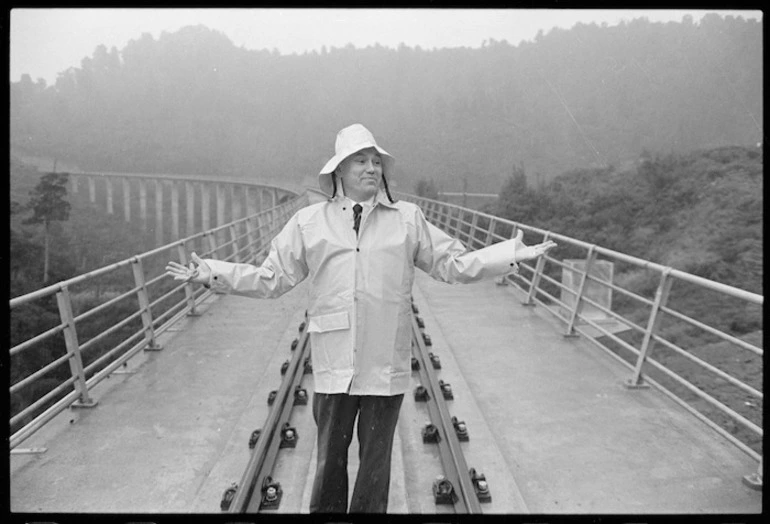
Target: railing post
{"x": 211, "y": 236}
{"x": 490, "y": 232}
{"x": 73, "y": 349}
{"x": 661, "y": 297}
{"x": 144, "y": 306}
{"x": 472, "y": 232}
{"x": 445, "y": 217}
{"x": 250, "y": 239}
{"x": 261, "y": 233}
{"x": 457, "y": 214}
{"x": 530, "y": 300}
{"x": 234, "y": 243}
{"x": 754, "y": 481}
{"x": 590, "y": 257}
{"x": 189, "y": 292}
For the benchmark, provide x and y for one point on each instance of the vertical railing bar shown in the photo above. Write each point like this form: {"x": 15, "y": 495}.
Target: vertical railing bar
{"x": 189, "y": 292}
{"x": 250, "y": 240}
{"x": 490, "y": 232}
{"x": 213, "y": 247}
{"x": 473, "y": 229}
{"x": 754, "y": 480}
{"x": 144, "y": 305}
{"x": 661, "y": 298}
{"x": 590, "y": 257}
{"x": 73, "y": 348}
{"x": 234, "y": 243}
{"x": 535, "y": 282}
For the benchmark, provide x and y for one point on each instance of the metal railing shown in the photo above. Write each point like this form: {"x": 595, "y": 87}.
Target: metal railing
{"x": 95, "y": 337}
{"x": 661, "y": 337}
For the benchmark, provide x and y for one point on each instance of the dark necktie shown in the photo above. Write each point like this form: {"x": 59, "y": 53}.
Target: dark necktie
{"x": 357, "y": 217}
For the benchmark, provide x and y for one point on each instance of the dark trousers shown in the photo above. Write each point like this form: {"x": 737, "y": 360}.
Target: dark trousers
{"x": 335, "y": 416}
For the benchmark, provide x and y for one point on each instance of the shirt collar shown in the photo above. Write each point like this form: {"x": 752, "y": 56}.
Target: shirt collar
{"x": 379, "y": 198}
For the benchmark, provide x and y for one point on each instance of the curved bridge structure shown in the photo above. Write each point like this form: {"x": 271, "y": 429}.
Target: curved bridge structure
{"x": 197, "y": 201}
{"x": 573, "y": 388}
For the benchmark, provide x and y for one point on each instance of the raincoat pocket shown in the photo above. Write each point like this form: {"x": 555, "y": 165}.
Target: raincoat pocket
{"x": 328, "y": 322}
{"x": 330, "y": 342}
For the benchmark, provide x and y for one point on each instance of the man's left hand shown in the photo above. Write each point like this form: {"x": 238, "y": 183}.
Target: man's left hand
{"x": 524, "y": 252}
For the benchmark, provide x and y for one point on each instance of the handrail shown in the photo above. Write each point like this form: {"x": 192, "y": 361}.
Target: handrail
{"x": 628, "y": 341}
{"x": 93, "y": 350}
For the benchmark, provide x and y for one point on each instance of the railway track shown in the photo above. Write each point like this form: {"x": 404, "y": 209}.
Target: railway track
{"x": 456, "y": 488}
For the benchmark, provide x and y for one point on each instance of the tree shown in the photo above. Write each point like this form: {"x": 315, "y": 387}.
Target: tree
{"x": 516, "y": 199}
{"x": 48, "y": 204}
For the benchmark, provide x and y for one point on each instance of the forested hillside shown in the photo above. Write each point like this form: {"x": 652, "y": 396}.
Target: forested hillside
{"x": 591, "y": 97}
{"x": 699, "y": 212}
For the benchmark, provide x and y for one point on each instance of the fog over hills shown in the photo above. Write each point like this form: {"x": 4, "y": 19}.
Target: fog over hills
{"x": 588, "y": 97}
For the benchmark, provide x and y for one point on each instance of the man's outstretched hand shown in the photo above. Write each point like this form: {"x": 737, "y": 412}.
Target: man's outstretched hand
{"x": 524, "y": 252}
{"x": 198, "y": 271}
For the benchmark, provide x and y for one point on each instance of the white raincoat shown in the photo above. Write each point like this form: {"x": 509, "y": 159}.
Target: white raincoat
{"x": 359, "y": 316}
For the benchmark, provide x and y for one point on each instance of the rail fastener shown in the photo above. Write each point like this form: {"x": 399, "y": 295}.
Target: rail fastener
{"x": 308, "y": 366}
{"x": 300, "y": 396}
{"x": 481, "y": 486}
{"x": 254, "y": 437}
{"x": 426, "y": 339}
{"x": 289, "y": 437}
{"x": 227, "y": 497}
{"x": 284, "y": 367}
{"x": 414, "y": 309}
{"x": 420, "y": 322}
{"x": 294, "y": 344}
{"x": 271, "y": 494}
{"x": 435, "y": 361}
{"x": 443, "y": 491}
{"x": 301, "y": 327}
{"x": 461, "y": 429}
{"x": 421, "y": 394}
{"x": 430, "y": 434}
{"x": 415, "y": 364}
{"x": 271, "y": 397}
{"x": 446, "y": 390}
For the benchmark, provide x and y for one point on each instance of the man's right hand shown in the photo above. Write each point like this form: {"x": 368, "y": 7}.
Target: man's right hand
{"x": 198, "y": 272}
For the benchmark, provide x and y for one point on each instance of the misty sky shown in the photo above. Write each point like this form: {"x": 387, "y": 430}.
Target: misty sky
{"x": 45, "y": 42}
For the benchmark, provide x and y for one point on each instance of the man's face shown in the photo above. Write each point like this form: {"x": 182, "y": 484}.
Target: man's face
{"x": 361, "y": 174}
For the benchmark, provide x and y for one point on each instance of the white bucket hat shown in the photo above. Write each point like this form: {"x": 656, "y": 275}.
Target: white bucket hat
{"x": 350, "y": 140}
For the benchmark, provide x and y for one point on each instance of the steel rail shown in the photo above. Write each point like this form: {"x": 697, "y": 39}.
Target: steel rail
{"x": 247, "y": 498}
{"x": 455, "y": 468}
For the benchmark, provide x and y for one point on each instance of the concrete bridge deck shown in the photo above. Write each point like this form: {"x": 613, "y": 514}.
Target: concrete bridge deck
{"x": 551, "y": 424}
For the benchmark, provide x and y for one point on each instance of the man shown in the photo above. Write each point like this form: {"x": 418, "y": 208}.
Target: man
{"x": 359, "y": 250}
